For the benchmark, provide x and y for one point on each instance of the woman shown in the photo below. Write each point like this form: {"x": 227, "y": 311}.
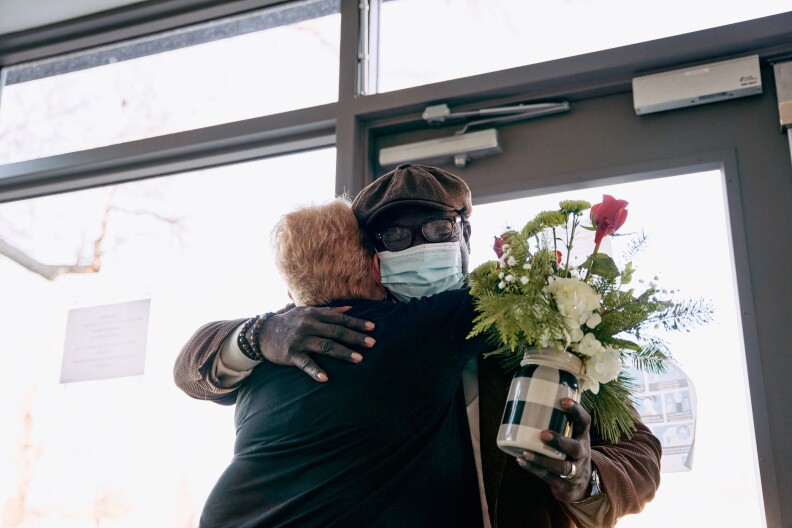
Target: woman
{"x": 385, "y": 442}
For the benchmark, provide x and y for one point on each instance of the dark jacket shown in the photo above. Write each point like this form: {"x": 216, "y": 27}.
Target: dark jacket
{"x": 629, "y": 470}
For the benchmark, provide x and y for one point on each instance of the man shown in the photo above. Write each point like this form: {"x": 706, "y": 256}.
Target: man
{"x": 377, "y": 447}
{"x": 398, "y": 210}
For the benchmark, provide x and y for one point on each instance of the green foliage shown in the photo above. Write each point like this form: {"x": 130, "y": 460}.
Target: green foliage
{"x": 625, "y": 277}
{"x": 622, "y": 311}
{"x": 484, "y": 279}
{"x": 682, "y": 316}
{"x": 636, "y": 246}
{"x": 516, "y": 318}
{"x": 653, "y": 356}
{"x": 612, "y": 409}
{"x": 602, "y": 265}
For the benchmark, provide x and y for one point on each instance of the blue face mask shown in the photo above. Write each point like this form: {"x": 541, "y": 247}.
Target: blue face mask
{"x": 422, "y": 270}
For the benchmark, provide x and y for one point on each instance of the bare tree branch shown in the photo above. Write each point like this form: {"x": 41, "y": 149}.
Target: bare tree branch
{"x": 48, "y": 271}
{"x": 99, "y": 244}
{"x": 97, "y": 253}
{"x": 170, "y": 220}
{"x": 53, "y": 271}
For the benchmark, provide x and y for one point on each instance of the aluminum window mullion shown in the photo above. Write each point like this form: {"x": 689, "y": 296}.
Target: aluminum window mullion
{"x": 368, "y": 47}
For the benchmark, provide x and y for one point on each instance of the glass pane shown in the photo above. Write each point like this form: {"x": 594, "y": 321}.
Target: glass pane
{"x": 272, "y": 61}
{"x": 458, "y": 38}
{"x": 689, "y": 249}
{"x": 134, "y": 451}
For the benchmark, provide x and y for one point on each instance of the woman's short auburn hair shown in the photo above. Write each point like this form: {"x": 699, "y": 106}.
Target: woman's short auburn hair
{"x": 323, "y": 255}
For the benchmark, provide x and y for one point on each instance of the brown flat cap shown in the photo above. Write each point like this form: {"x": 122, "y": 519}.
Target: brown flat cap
{"x": 410, "y": 184}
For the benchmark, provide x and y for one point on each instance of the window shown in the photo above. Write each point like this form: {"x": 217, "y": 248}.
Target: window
{"x": 689, "y": 250}
{"x": 134, "y": 451}
{"x": 426, "y": 41}
{"x": 280, "y": 59}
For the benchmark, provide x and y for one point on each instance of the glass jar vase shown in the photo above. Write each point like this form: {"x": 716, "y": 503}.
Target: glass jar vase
{"x": 534, "y": 402}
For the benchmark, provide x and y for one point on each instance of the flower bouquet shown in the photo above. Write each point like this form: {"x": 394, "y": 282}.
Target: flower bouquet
{"x": 587, "y": 319}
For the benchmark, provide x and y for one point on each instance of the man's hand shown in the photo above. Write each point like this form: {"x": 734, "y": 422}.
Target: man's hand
{"x": 578, "y": 452}
{"x": 286, "y": 339}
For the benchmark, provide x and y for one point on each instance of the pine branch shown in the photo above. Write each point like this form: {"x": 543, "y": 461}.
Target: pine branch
{"x": 610, "y": 409}
{"x": 652, "y": 357}
{"x": 682, "y": 316}
{"x": 636, "y": 246}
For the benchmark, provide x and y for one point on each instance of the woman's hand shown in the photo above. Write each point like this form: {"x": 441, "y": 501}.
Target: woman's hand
{"x": 289, "y": 338}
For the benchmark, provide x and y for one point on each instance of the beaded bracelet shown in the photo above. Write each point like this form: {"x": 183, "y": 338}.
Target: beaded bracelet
{"x": 244, "y": 344}
{"x": 257, "y": 331}
{"x": 251, "y": 349}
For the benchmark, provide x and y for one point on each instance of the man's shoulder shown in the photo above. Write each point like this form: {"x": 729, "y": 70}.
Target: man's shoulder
{"x": 450, "y": 297}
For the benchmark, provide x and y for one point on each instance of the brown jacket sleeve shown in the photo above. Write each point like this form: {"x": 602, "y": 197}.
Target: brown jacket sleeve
{"x": 194, "y": 363}
{"x": 629, "y": 470}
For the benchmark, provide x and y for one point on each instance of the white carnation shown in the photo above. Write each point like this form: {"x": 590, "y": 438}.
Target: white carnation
{"x": 544, "y": 339}
{"x": 589, "y": 346}
{"x": 575, "y": 332}
{"x": 587, "y": 383}
{"x": 593, "y": 320}
{"x": 604, "y": 366}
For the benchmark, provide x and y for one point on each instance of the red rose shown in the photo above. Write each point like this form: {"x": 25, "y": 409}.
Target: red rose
{"x": 498, "y": 246}
{"x": 608, "y": 216}
{"x": 559, "y": 257}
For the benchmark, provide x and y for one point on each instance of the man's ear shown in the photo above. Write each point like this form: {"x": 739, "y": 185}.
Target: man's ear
{"x": 466, "y": 233}
{"x": 376, "y": 273}
{"x": 290, "y": 296}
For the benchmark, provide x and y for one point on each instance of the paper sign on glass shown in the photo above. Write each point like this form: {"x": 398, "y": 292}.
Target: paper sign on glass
{"x": 106, "y": 341}
{"x": 667, "y": 405}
